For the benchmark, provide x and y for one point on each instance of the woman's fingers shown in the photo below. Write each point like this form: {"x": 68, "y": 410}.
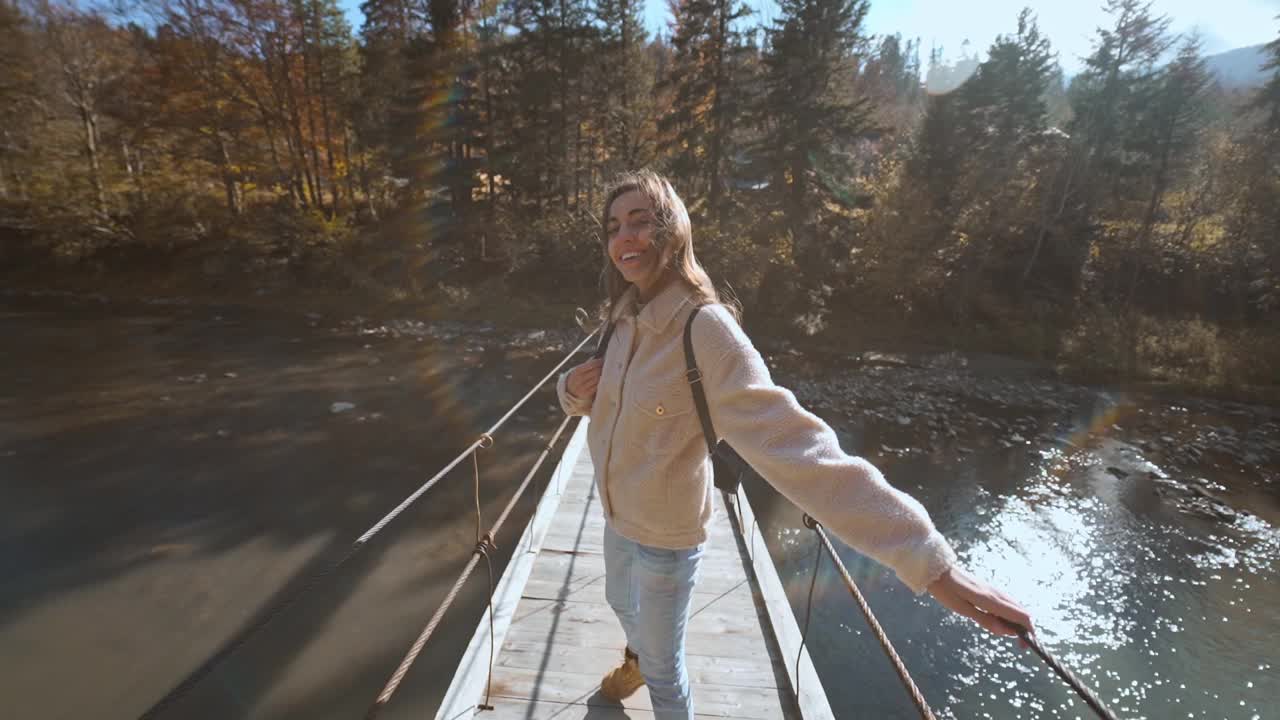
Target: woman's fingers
{"x": 992, "y": 601}
{"x": 584, "y": 378}
{"x": 991, "y": 609}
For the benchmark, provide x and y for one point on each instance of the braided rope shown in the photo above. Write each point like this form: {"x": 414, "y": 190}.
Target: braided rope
{"x": 484, "y": 547}
{"x": 1081, "y": 689}
{"x": 916, "y": 696}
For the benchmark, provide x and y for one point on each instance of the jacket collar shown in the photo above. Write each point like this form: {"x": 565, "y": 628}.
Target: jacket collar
{"x": 657, "y": 314}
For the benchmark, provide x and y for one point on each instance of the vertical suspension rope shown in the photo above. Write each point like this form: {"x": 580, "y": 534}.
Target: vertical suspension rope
{"x": 484, "y": 547}
{"x": 808, "y": 614}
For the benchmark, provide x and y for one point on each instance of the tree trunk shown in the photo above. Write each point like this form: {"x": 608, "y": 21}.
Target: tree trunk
{"x": 1158, "y": 186}
{"x": 89, "y": 122}
{"x": 297, "y": 141}
{"x": 346, "y": 160}
{"x": 228, "y": 178}
{"x": 135, "y": 172}
{"x": 308, "y": 60}
{"x": 714, "y": 161}
{"x": 365, "y": 186}
{"x": 1072, "y": 162}
{"x": 334, "y": 192}
{"x": 562, "y": 187}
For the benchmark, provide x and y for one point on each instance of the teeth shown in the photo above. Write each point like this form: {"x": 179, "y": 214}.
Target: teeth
{"x": 628, "y": 256}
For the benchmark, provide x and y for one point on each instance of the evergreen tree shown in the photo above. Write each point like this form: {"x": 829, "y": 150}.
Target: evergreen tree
{"x": 1125, "y": 57}
{"x": 707, "y": 97}
{"x": 1254, "y": 218}
{"x": 548, "y": 54}
{"x": 891, "y": 78}
{"x": 626, "y": 78}
{"x": 19, "y": 89}
{"x": 811, "y": 112}
{"x": 1169, "y": 116}
{"x": 389, "y": 28}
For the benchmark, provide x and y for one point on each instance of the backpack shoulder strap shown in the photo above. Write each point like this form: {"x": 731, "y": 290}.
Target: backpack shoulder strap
{"x": 604, "y": 341}
{"x": 695, "y": 383}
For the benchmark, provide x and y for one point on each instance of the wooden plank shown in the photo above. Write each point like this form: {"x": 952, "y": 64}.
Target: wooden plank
{"x": 580, "y": 688}
{"x": 467, "y": 686}
{"x": 510, "y": 709}
{"x": 786, "y": 631}
{"x": 741, "y": 671}
{"x": 548, "y": 616}
{"x": 562, "y": 636}
{"x": 719, "y": 574}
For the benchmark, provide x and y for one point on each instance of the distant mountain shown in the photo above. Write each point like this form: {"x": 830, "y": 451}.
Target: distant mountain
{"x": 1239, "y": 68}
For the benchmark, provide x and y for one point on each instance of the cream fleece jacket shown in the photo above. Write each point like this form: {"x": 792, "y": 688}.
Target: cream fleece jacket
{"x": 652, "y": 471}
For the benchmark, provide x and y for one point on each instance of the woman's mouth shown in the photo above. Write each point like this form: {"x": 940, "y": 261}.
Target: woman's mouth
{"x": 629, "y": 258}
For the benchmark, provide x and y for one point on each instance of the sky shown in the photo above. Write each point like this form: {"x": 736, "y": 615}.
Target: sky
{"x": 1069, "y": 24}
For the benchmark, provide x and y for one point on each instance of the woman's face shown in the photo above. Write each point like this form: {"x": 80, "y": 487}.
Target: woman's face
{"x": 630, "y": 229}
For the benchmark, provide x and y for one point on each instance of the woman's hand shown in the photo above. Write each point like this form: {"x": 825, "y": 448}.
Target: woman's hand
{"x": 582, "y": 380}
{"x": 985, "y": 605}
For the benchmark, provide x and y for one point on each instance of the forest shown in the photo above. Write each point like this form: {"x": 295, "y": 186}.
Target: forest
{"x": 1123, "y": 222}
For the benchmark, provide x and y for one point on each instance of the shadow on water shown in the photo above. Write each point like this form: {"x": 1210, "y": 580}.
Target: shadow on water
{"x": 166, "y": 476}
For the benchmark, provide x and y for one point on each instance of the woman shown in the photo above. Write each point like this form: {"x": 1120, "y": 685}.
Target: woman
{"x": 652, "y": 471}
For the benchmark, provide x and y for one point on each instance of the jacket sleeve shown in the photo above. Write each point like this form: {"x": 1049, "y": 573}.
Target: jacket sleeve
{"x": 799, "y": 454}
{"x": 570, "y": 403}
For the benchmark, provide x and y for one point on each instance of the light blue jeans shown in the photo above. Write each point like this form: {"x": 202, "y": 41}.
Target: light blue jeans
{"x": 651, "y": 589}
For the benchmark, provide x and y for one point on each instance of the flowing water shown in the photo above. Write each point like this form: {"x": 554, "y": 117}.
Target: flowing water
{"x": 1139, "y": 530}
{"x": 168, "y": 470}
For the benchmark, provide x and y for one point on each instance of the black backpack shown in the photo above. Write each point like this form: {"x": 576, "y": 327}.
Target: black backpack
{"x": 729, "y": 467}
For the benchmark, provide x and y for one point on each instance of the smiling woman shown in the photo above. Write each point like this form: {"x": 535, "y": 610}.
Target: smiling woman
{"x": 653, "y": 473}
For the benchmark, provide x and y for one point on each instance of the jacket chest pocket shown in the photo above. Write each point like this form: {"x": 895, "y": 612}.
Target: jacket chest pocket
{"x": 663, "y": 415}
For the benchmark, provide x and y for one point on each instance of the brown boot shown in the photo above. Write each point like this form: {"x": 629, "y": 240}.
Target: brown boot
{"x": 624, "y": 680}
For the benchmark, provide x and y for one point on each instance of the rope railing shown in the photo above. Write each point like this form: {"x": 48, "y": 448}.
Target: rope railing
{"x": 922, "y": 705}
{"x": 917, "y": 697}
{"x": 483, "y": 547}
{"x": 289, "y": 598}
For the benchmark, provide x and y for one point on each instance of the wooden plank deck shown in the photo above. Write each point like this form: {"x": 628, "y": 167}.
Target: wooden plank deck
{"x": 558, "y": 635}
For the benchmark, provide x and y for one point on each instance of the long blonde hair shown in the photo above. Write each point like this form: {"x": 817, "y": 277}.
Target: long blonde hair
{"x": 672, "y": 236}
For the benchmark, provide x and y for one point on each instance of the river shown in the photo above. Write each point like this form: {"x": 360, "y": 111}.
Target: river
{"x": 169, "y": 469}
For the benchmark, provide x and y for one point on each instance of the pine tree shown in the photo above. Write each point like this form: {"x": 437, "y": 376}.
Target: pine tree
{"x": 18, "y": 101}
{"x": 1003, "y": 103}
{"x": 1254, "y": 219}
{"x": 811, "y": 112}
{"x": 707, "y": 97}
{"x": 389, "y": 28}
{"x": 1169, "y": 117}
{"x": 891, "y": 77}
{"x": 1125, "y": 57}
{"x": 626, "y": 77}
{"x": 548, "y": 55}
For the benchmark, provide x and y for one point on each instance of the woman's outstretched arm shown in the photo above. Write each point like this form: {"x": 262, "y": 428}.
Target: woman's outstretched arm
{"x": 799, "y": 454}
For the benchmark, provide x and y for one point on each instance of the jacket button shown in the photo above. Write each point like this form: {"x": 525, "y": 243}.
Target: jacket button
{"x": 660, "y": 410}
